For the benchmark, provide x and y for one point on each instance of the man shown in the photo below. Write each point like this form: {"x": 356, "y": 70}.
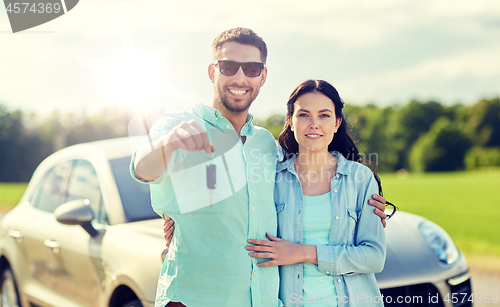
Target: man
{"x": 207, "y": 264}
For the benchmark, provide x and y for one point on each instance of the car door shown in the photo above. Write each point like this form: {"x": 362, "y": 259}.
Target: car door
{"x": 42, "y": 275}
{"x": 80, "y": 254}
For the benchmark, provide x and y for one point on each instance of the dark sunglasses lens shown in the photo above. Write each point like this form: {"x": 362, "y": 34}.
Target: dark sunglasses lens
{"x": 252, "y": 69}
{"x": 228, "y": 68}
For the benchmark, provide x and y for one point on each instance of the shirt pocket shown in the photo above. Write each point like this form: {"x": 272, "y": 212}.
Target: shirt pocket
{"x": 352, "y": 220}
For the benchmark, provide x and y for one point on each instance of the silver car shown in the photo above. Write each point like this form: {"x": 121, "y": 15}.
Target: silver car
{"x": 84, "y": 234}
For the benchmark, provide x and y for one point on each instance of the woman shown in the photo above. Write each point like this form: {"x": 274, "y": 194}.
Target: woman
{"x": 331, "y": 242}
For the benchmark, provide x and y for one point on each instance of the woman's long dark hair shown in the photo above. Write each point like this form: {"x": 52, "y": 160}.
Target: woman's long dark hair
{"x": 342, "y": 140}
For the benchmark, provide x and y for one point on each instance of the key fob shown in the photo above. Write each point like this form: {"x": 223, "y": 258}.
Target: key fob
{"x": 211, "y": 178}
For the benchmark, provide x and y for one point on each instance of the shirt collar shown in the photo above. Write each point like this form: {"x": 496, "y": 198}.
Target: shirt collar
{"x": 342, "y": 164}
{"x": 248, "y": 127}
{"x": 207, "y": 112}
{"x": 214, "y": 116}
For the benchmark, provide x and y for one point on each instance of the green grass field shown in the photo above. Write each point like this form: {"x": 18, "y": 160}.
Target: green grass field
{"x": 465, "y": 204}
{"x": 10, "y": 194}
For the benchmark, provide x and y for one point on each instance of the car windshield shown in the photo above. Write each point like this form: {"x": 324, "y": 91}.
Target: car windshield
{"x": 134, "y": 195}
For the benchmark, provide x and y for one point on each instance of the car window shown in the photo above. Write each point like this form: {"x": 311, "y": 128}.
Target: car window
{"x": 84, "y": 184}
{"x": 134, "y": 195}
{"x": 51, "y": 192}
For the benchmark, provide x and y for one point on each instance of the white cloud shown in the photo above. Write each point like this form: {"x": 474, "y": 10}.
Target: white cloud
{"x": 436, "y": 73}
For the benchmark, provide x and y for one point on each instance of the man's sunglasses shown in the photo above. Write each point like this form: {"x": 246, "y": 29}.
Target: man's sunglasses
{"x": 230, "y": 68}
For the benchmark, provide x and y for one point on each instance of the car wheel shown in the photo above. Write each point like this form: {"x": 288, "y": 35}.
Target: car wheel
{"x": 8, "y": 288}
{"x": 134, "y": 303}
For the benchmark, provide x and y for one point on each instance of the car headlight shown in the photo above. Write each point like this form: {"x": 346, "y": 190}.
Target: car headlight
{"x": 439, "y": 241}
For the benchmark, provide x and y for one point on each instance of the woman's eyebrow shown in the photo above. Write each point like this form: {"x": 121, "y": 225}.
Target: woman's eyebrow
{"x": 320, "y": 111}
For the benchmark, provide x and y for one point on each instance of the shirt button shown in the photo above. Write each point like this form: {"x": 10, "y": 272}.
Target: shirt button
{"x": 253, "y": 208}
{"x": 334, "y": 191}
{"x": 250, "y": 177}
{"x": 339, "y": 280}
{"x": 336, "y": 217}
{"x": 337, "y": 176}
{"x": 327, "y": 272}
{"x": 255, "y": 273}
{"x": 228, "y": 126}
{"x": 213, "y": 121}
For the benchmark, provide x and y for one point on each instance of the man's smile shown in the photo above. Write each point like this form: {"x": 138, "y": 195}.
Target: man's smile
{"x": 237, "y": 92}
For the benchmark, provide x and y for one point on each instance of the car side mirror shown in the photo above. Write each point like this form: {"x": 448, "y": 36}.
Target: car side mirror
{"x": 76, "y": 212}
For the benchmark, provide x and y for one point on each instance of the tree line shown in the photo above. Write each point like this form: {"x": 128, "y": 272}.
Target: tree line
{"x": 25, "y": 140}
{"x": 417, "y": 136}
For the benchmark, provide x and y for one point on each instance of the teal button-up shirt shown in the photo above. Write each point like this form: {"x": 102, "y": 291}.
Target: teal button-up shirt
{"x": 207, "y": 264}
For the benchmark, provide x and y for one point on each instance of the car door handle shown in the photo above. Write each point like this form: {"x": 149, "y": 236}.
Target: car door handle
{"x": 54, "y": 245}
{"x": 16, "y": 234}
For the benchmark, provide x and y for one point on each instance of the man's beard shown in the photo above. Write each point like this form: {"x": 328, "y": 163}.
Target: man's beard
{"x": 233, "y": 107}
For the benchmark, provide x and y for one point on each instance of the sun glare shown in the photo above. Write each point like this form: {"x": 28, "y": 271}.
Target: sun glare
{"x": 132, "y": 79}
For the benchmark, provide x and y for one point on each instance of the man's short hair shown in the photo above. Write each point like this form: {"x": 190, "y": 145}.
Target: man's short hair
{"x": 239, "y": 35}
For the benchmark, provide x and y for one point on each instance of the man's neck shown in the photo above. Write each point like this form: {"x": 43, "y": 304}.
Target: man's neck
{"x": 238, "y": 120}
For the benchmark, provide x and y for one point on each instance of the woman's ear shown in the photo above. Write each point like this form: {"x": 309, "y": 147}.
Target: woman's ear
{"x": 290, "y": 123}
{"x": 339, "y": 121}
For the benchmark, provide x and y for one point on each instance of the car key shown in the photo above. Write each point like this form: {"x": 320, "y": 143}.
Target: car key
{"x": 211, "y": 179}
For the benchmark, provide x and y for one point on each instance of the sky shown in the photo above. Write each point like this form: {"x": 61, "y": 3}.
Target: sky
{"x": 135, "y": 54}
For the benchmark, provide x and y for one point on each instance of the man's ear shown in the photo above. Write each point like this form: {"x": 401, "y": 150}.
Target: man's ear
{"x": 211, "y": 72}
{"x": 264, "y": 76}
